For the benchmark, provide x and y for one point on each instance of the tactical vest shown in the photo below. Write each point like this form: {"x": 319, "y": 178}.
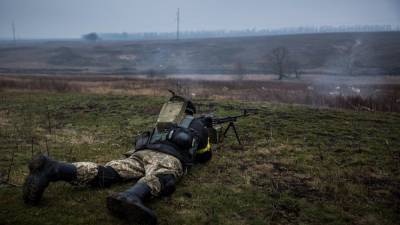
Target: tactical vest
{"x": 166, "y": 134}
{"x": 172, "y": 133}
{"x": 180, "y": 135}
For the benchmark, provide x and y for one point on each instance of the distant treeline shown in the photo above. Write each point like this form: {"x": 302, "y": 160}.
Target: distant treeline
{"x": 247, "y": 32}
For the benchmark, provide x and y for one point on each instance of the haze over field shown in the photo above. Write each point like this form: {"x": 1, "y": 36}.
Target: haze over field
{"x": 334, "y": 54}
{"x": 72, "y": 18}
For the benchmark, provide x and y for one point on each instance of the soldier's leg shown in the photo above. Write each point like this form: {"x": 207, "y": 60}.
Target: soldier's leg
{"x": 128, "y": 168}
{"x": 89, "y": 173}
{"x": 42, "y": 171}
{"x": 161, "y": 173}
{"x": 95, "y": 175}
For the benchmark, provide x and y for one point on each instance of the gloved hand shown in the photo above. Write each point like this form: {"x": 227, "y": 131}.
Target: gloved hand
{"x": 207, "y": 121}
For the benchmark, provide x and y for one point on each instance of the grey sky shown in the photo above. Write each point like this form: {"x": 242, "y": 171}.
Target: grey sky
{"x": 71, "y": 18}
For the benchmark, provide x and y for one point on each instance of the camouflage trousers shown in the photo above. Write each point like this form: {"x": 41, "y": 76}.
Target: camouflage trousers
{"x": 144, "y": 165}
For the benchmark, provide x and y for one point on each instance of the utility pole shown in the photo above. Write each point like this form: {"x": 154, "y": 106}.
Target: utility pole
{"x": 177, "y": 24}
{"x": 13, "y": 30}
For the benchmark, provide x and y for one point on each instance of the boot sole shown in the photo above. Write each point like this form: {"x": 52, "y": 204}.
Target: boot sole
{"x": 32, "y": 190}
{"x": 37, "y": 163}
{"x": 135, "y": 214}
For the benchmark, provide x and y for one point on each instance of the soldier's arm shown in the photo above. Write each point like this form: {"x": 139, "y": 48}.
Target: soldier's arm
{"x": 203, "y": 153}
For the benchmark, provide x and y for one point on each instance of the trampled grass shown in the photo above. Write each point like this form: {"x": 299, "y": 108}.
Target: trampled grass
{"x": 298, "y": 165}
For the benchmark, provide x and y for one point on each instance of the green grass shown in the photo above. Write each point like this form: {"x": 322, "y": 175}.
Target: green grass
{"x": 298, "y": 165}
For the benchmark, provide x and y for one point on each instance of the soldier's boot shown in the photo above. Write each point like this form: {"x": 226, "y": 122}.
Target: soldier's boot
{"x": 129, "y": 205}
{"x": 42, "y": 171}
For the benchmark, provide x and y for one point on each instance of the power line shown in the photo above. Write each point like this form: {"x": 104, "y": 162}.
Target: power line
{"x": 13, "y": 31}
{"x": 177, "y": 24}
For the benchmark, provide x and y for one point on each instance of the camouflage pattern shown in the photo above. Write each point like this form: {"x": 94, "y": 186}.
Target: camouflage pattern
{"x": 157, "y": 163}
{"x": 85, "y": 172}
{"x": 144, "y": 165}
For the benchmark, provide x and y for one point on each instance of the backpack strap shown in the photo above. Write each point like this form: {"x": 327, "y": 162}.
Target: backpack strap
{"x": 185, "y": 123}
{"x": 162, "y": 136}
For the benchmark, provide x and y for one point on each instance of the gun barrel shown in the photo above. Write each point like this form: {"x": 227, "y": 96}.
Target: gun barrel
{"x": 224, "y": 120}
{"x": 246, "y": 112}
{"x": 231, "y": 122}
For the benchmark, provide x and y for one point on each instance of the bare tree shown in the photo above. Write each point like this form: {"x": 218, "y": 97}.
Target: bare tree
{"x": 295, "y": 68}
{"x": 91, "y": 37}
{"x": 181, "y": 88}
{"x": 279, "y": 61}
{"x": 239, "y": 70}
{"x": 348, "y": 57}
{"x": 152, "y": 73}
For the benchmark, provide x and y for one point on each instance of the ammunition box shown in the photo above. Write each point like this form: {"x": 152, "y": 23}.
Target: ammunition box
{"x": 172, "y": 113}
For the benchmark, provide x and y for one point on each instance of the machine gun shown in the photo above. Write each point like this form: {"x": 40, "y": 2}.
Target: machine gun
{"x": 231, "y": 124}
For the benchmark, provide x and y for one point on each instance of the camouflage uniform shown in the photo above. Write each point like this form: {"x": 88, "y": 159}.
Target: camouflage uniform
{"x": 159, "y": 161}
{"x": 144, "y": 165}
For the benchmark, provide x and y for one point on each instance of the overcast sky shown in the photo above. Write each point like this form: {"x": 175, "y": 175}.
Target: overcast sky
{"x": 72, "y": 18}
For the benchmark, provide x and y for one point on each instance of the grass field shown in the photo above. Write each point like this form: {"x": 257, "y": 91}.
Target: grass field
{"x": 357, "y": 93}
{"x": 298, "y": 165}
